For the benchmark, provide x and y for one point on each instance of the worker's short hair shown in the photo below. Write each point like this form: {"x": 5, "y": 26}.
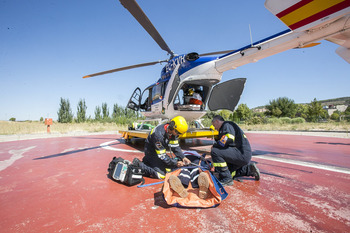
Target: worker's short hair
{"x": 171, "y": 125}
{"x": 218, "y": 117}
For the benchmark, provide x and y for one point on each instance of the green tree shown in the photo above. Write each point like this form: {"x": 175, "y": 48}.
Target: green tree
{"x": 302, "y": 111}
{"x": 210, "y": 114}
{"x": 347, "y": 113}
{"x": 225, "y": 114}
{"x": 243, "y": 112}
{"x": 130, "y": 113}
{"x": 282, "y": 107}
{"x": 276, "y": 112}
{"x": 117, "y": 112}
{"x": 315, "y": 111}
{"x": 347, "y": 110}
{"x": 335, "y": 116}
{"x": 324, "y": 114}
{"x": 105, "y": 111}
{"x": 98, "y": 113}
{"x": 206, "y": 121}
{"x": 64, "y": 113}
{"x": 81, "y": 111}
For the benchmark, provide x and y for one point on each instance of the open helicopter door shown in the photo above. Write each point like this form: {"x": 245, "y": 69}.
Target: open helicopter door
{"x": 226, "y": 95}
{"x": 135, "y": 99}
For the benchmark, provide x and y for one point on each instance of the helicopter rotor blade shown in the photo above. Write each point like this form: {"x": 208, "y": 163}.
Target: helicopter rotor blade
{"x": 140, "y": 16}
{"x": 124, "y": 68}
{"x": 217, "y": 52}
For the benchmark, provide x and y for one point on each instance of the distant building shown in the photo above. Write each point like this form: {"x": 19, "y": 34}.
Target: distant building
{"x": 332, "y": 108}
{"x": 260, "y": 109}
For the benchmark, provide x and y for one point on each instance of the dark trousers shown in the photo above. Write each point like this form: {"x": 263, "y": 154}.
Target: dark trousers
{"x": 188, "y": 175}
{"x": 151, "y": 171}
{"x": 152, "y": 165}
{"x": 230, "y": 159}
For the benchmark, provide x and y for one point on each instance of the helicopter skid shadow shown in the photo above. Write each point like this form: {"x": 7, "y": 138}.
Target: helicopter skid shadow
{"x": 118, "y": 141}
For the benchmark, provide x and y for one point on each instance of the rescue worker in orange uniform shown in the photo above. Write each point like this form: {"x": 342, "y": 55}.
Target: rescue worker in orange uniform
{"x": 156, "y": 162}
{"x": 231, "y": 153}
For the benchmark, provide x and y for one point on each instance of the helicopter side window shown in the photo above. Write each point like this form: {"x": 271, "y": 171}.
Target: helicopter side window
{"x": 174, "y": 86}
{"x": 156, "y": 93}
{"x": 179, "y": 100}
{"x": 146, "y": 97}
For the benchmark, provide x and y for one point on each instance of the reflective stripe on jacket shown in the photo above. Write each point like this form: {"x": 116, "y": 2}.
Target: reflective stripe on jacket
{"x": 157, "y": 141}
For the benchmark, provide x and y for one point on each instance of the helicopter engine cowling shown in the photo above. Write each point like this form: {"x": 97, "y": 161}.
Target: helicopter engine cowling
{"x": 192, "y": 56}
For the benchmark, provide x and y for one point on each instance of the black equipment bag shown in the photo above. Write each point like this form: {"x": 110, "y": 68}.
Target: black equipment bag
{"x": 125, "y": 172}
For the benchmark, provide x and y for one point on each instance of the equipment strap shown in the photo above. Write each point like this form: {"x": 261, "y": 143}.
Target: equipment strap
{"x": 145, "y": 185}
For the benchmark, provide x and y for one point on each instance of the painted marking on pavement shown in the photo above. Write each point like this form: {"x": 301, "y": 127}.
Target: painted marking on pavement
{"x": 106, "y": 146}
{"x": 306, "y": 164}
{"x": 16, "y": 154}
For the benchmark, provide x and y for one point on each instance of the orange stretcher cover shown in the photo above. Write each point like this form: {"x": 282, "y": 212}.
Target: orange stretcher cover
{"x": 192, "y": 200}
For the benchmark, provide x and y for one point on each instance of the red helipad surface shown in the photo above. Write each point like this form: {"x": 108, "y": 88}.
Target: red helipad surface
{"x": 61, "y": 185}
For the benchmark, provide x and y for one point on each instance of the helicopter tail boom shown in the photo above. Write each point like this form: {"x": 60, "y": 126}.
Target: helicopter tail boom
{"x": 310, "y": 20}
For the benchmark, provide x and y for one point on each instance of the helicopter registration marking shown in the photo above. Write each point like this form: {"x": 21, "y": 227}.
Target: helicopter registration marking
{"x": 174, "y": 62}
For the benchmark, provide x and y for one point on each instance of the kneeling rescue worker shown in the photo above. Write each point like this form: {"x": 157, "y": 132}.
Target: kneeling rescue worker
{"x": 231, "y": 153}
{"x": 156, "y": 162}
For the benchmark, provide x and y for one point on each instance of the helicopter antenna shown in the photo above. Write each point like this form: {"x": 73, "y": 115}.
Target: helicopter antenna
{"x": 251, "y": 37}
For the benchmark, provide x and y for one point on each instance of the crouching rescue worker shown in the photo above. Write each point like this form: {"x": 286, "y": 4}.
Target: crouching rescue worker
{"x": 156, "y": 162}
{"x": 231, "y": 153}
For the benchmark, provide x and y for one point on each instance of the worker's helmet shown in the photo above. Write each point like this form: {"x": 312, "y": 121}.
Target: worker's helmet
{"x": 179, "y": 124}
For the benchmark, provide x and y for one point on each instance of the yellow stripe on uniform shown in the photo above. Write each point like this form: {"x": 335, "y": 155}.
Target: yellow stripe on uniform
{"x": 233, "y": 174}
{"x": 168, "y": 169}
{"x": 308, "y": 10}
{"x": 173, "y": 143}
{"x": 159, "y": 152}
{"x": 230, "y": 136}
{"x": 224, "y": 164}
{"x": 160, "y": 176}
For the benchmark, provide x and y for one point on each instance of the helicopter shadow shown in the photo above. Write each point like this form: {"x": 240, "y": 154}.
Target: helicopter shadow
{"x": 135, "y": 143}
{"x": 264, "y": 152}
{"x": 118, "y": 141}
{"x": 94, "y": 138}
{"x": 334, "y": 143}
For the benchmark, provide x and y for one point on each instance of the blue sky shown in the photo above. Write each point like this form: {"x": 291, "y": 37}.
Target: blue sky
{"x": 47, "y": 46}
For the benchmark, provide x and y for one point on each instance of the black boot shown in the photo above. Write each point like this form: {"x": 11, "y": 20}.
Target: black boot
{"x": 254, "y": 171}
{"x": 136, "y": 162}
{"x": 225, "y": 177}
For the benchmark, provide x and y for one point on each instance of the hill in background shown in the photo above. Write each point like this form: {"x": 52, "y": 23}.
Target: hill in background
{"x": 334, "y": 102}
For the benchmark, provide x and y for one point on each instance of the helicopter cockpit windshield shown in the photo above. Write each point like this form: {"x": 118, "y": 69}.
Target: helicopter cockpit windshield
{"x": 158, "y": 92}
{"x": 151, "y": 95}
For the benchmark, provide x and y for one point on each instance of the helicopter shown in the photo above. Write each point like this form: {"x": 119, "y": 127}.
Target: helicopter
{"x": 190, "y": 83}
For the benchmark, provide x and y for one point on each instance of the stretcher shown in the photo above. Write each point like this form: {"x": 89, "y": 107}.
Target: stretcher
{"x": 191, "y": 133}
